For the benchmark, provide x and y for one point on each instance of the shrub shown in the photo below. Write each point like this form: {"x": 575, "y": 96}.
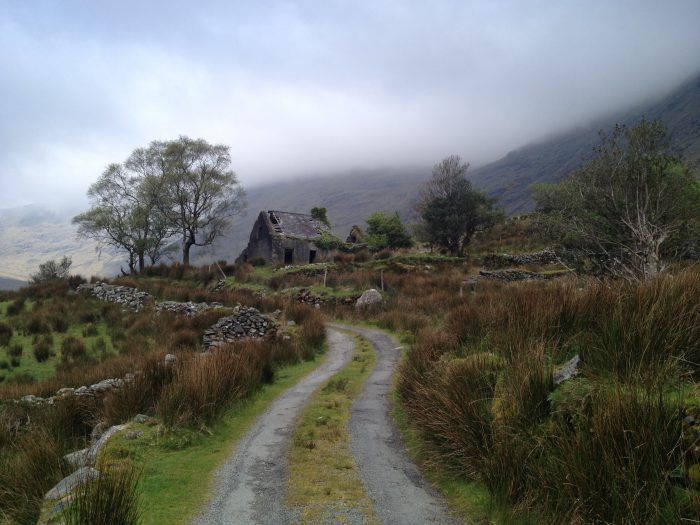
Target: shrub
{"x": 4, "y": 364}
{"x": 42, "y": 351}
{"x": 185, "y": 339}
{"x": 38, "y": 324}
{"x": 72, "y": 348}
{"x": 203, "y": 387}
{"x": 111, "y": 499}
{"x": 14, "y": 362}
{"x": 16, "y": 306}
{"x": 15, "y": 350}
{"x": 32, "y": 468}
{"x": 90, "y": 330}
{"x": 5, "y": 334}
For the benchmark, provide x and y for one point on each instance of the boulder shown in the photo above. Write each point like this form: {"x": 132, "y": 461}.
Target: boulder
{"x": 370, "y": 297}
{"x": 70, "y": 483}
{"x": 77, "y": 459}
{"x": 567, "y": 371}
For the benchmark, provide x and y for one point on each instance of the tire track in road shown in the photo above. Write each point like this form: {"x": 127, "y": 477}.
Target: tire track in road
{"x": 394, "y": 483}
{"x": 249, "y": 487}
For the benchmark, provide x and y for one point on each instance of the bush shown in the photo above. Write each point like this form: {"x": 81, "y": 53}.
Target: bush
{"x": 90, "y": 330}
{"x": 15, "y": 350}
{"x": 16, "y": 306}
{"x": 4, "y": 364}
{"x": 32, "y": 468}
{"x": 5, "y": 334}
{"x": 112, "y": 499}
{"x": 14, "y": 362}
{"x": 42, "y": 350}
{"x": 73, "y": 349}
{"x": 38, "y": 324}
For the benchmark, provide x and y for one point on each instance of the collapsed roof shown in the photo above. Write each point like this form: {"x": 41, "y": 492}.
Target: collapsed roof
{"x": 297, "y": 225}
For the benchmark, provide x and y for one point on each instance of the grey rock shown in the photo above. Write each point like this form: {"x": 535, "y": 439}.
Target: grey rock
{"x": 567, "y": 371}
{"x": 98, "y": 445}
{"x": 130, "y": 436}
{"x": 170, "y": 359}
{"x": 77, "y": 459}
{"x": 70, "y": 483}
{"x": 98, "y": 430}
{"x": 142, "y": 418}
{"x": 370, "y": 297}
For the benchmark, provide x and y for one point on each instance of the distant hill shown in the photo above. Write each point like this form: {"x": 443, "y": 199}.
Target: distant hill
{"x": 552, "y": 160}
{"x": 11, "y": 284}
{"x": 31, "y": 235}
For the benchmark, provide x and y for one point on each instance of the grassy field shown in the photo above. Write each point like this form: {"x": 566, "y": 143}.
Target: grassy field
{"x": 323, "y": 478}
{"x": 95, "y": 337}
{"x": 179, "y": 464}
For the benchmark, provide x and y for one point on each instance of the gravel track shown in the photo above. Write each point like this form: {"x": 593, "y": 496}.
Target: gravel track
{"x": 249, "y": 487}
{"x": 393, "y": 482}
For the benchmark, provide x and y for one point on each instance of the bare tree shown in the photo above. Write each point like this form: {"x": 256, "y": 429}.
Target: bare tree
{"x": 622, "y": 208}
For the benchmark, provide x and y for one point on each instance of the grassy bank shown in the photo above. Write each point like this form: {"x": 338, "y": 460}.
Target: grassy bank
{"x": 179, "y": 464}
{"x": 323, "y": 478}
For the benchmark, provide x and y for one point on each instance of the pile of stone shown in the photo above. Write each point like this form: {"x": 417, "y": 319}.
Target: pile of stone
{"x": 189, "y": 308}
{"x": 98, "y": 389}
{"x": 126, "y": 296}
{"x": 244, "y": 323}
{"x": 510, "y": 276}
{"x": 306, "y": 297}
{"x": 504, "y": 260}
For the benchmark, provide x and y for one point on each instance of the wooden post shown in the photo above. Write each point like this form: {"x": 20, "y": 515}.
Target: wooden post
{"x": 325, "y": 276}
{"x": 222, "y": 272}
{"x": 381, "y": 276}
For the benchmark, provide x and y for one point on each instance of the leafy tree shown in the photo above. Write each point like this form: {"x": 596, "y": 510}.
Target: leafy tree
{"x": 452, "y": 211}
{"x": 125, "y": 212}
{"x": 633, "y": 205}
{"x": 320, "y": 214}
{"x": 53, "y": 270}
{"x": 385, "y": 230}
{"x": 203, "y": 192}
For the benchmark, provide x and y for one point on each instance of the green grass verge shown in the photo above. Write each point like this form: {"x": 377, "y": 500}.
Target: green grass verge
{"x": 323, "y": 479}
{"x": 179, "y": 465}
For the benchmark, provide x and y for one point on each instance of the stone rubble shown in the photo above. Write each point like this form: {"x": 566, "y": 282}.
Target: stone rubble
{"x": 510, "y": 276}
{"x": 502, "y": 260}
{"x": 126, "y": 296}
{"x": 567, "y": 371}
{"x": 245, "y": 322}
{"x": 189, "y": 308}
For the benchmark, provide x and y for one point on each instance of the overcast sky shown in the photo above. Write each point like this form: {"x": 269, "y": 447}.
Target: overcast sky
{"x": 317, "y": 87}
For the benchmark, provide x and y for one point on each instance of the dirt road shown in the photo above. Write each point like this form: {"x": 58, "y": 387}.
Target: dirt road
{"x": 249, "y": 486}
{"x": 394, "y": 483}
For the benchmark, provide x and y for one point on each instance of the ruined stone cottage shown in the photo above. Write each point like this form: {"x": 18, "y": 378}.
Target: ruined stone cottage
{"x": 282, "y": 237}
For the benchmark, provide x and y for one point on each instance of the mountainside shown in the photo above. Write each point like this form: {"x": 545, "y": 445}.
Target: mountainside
{"x": 349, "y": 197}
{"x": 31, "y": 235}
{"x": 552, "y": 160}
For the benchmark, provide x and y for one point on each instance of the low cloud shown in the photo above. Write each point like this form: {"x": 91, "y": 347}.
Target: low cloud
{"x": 314, "y": 88}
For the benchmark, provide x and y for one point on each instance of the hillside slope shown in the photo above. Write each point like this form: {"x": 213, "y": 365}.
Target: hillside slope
{"x": 349, "y": 197}
{"x": 509, "y": 178}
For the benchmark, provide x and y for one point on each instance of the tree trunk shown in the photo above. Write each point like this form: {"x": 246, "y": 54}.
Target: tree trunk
{"x": 142, "y": 262}
{"x": 186, "y": 251}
